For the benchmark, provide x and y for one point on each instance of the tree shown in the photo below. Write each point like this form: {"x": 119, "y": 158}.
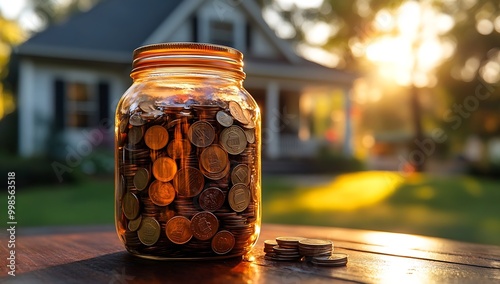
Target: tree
{"x": 353, "y": 31}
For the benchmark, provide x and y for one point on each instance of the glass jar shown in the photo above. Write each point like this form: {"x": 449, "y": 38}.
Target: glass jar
{"x": 187, "y": 155}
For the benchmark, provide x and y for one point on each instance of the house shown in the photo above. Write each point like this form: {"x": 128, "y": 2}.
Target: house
{"x": 72, "y": 74}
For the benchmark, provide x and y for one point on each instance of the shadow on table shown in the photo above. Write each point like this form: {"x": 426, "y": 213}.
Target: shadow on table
{"x": 121, "y": 267}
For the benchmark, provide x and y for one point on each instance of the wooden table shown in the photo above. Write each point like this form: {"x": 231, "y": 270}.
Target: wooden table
{"x": 95, "y": 255}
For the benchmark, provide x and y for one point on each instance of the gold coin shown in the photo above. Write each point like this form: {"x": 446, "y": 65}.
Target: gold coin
{"x": 223, "y": 242}
{"x": 233, "y": 140}
{"x": 164, "y": 169}
{"x": 214, "y": 159}
{"x": 161, "y": 193}
{"x": 130, "y": 205}
{"x": 149, "y": 231}
{"x": 156, "y": 137}
{"x": 240, "y": 174}
{"x": 135, "y": 135}
{"x": 237, "y": 112}
{"x": 239, "y": 197}
{"x": 201, "y": 134}
{"x": 141, "y": 178}
{"x": 204, "y": 225}
{"x": 224, "y": 119}
{"x": 178, "y": 230}
{"x": 133, "y": 225}
{"x": 188, "y": 182}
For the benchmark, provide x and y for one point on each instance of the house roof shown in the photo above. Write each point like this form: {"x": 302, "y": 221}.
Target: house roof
{"x": 109, "y": 32}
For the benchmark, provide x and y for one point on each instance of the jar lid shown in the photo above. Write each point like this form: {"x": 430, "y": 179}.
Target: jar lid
{"x": 188, "y": 54}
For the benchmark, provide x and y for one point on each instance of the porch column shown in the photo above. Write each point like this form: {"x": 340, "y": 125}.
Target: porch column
{"x": 271, "y": 133}
{"x": 26, "y": 109}
{"x": 347, "y": 147}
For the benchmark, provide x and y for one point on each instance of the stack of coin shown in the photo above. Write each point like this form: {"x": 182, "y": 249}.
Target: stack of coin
{"x": 315, "y": 247}
{"x": 188, "y": 179}
{"x": 316, "y": 251}
{"x": 287, "y": 249}
{"x": 335, "y": 259}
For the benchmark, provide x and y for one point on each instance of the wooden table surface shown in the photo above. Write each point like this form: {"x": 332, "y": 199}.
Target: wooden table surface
{"x": 95, "y": 255}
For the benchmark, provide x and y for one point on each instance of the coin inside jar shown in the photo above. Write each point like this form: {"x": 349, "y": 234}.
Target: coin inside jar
{"x": 178, "y": 230}
{"x": 135, "y": 135}
{"x": 214, "y": 159}
{"x": 188, "y": 182}
{"x": 224, "y": 119}
{"x": 233, "y": 140}
{"x": 237, "y": 112}
{"x": 130, "y": 205}
{"x": 211, "y": 199}
{"x": 240, "y": 174}
{"x": 204, "y": 225}
{"x": 149, "y": 231}
{"x": 141, "y": 178}
{"x": 161, "y": 193}
{"x": 201, "y": 134}
{"x": 164, "y": 169}
{"x": 223, "y": 242}
{"x": 156, "y": 137}
{"x": 239, "y": 197}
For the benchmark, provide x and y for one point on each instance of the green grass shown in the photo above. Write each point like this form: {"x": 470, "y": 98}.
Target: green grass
{"x": 456, "y": 207}
{"x": 89, "y": 202}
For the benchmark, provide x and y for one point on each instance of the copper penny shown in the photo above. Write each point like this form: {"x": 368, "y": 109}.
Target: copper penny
{"x": 211, "y": 199}
{"x": 240, "y": 174}
{"x": 237, "y": 112}
{"x": 233, "y": 140}
{"x": 223, "y": 242}
{"x": 214, "y": 159}
{"x": 164, "y": 169}
{"x": 204, "y": 225}
{"x": 178, "y": 230}
{"x": 239, "y": 197}
{"x": 201, "y": 134}
{"x": 156, "y": 137}
{"x": 188, "y": 182}
{"x": 161, "y": 193}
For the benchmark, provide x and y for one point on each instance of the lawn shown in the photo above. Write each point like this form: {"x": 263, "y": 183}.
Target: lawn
{"x": 456, "y": 207}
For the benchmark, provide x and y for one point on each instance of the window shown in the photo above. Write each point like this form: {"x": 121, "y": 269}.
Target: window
{"x": 80, "y": 104}
{"x": 221, "y": 33}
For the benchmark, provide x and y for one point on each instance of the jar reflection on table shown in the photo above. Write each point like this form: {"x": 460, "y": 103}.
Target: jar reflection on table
{"x": 188, "y": 170}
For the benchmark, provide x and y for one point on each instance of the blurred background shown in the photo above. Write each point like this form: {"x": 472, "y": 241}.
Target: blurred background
{"x": 381, "y": 115}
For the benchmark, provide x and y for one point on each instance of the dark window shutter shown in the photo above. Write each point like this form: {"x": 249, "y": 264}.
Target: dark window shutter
{"x": 103, "y": 93}
{"x": 194, "y": 27}
{"x": 59, "y": 119}
{"x": 248, "y": 36}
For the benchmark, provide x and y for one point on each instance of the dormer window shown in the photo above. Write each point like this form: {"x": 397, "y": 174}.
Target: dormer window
{"x": 221, "y": 33}
{"x": 229, "y": 30}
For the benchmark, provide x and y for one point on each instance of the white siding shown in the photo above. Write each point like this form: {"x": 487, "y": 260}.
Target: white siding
{"x": 36, "y": 101}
